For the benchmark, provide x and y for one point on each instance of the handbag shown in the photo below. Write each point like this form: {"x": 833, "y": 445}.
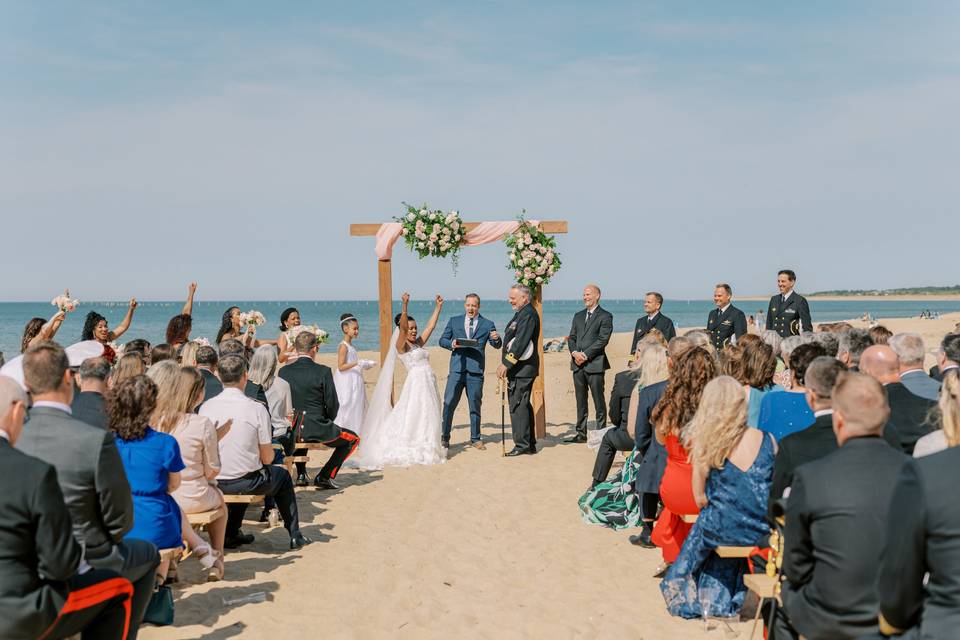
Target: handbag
{"x": 160, "y": 609}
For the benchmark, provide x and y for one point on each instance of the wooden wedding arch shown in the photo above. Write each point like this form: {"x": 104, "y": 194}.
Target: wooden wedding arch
{"x": 388, "y": 233}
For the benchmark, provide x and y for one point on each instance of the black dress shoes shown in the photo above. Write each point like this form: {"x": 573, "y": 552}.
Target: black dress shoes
{"x": 576, "y": 439}
{"x": 642, "y": 539}
{"x": 299, "y": 541}
{"x": 303, "y": 480}
{"x": 517, "y": 451}
{"x": 325, "y": 484}
{"x": 233, "y": 542}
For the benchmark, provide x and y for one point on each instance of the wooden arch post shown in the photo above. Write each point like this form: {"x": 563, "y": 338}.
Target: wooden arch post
{"x": 385, "y": 295}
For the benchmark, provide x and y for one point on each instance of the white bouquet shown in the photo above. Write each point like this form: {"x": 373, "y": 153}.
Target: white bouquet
{"x": 201, "y": 342}
{"x": 322, "y": 336}
{"x": 65, "y": 302}
{"x": 254, "y": 318}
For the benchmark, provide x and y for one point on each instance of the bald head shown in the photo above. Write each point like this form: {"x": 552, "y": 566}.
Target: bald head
{"x": 591, "y": 295}
{"x": 859, "y": 407}
{"x": 881, "y": 363}
{"x": 13, "y": 406}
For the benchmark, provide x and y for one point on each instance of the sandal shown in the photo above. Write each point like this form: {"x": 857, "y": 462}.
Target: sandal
{"x": 215, "y": 573}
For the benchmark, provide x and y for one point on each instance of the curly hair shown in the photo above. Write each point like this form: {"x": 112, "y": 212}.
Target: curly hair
{"x": 89, "y": 324}
{"x": 31, "y": 331}
{"x": 178, "y": 329}
{"x": 691, "y": 372}
{"x": 719, "y": 423}
{"x": 129, "y": 407}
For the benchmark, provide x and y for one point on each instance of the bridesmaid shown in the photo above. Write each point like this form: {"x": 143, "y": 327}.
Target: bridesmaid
{"x": 289, "y": 319}
{"x": 178, "y": 329}
{"x": 95, "y": 328}
{"x": 231, "y": 329}
{"x": 38, "y": 330}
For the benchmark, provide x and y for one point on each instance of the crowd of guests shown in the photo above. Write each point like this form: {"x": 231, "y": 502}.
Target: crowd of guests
{"x": 838, "y": 440}
{"x": 106, "y": 455}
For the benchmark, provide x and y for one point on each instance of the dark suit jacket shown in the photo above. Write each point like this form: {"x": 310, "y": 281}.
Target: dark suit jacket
{"x": 936, "y": 374}
{"x": 910, "y": 415}
{"x": 722, "y": 327}
{"x": 923, "y": 539}
{"x": 836, "y": 516}
{"x": 661, "y": 323}
{"x": 522, "y": 329}
{"x": 623, "y": 385}
{"x": 38, "y": 553}
{"x": 255, "y": 391}
{"x": 591, "y": 338}
{"x": 88, "y": 407}
{"x": 789, "y": 319}
{"x": 469, "y": 359}
{"x": 798, "y": 448}
{"x": 312, "y": 390}
{"x": 654, "y": 454}
{"x": 90, "y": 473}
{"x": 211, "y": 385}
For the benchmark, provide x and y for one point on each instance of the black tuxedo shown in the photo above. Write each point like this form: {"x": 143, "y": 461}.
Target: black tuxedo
{"x": 722, "y": 327}
{"x": 87, "y": 406}
{"x": 211, "y": 384}
{"x": 835, "y": 523}
{"x": 591, "y": 336}
{"x": 661, "y": 323}
{"x": 313, "y": 392}
{"x": 910, "y": 415}
{"x": 789, "y": 318}
{"x": 923, "y": 539}
{"x": 523, "y": 329}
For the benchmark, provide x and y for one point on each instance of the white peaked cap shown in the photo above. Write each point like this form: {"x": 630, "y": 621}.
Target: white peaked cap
{"x": 80, "y": 351}
{"x": 14, "y": 369}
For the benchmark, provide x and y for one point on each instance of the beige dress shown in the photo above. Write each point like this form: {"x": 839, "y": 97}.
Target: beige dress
{"x": 198, "y": 447}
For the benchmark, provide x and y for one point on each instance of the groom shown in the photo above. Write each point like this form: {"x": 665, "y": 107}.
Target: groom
{"x": 466, "y": 365}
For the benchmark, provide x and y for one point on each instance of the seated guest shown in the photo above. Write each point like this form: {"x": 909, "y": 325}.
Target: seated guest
{"x": 918, "y": 588}
{"x": 732, "y": 465}
{"x": 95, "y": 327}
{"x": 187, "y": 354}
{"x": 672, "y": 415}
{"x": 263, "y": 371}
{"x": 911, "y": 416}
{"x": 783, "y": 377}
{"x": 246, "y": 454}
{"x": 39, "y": 330}
{"x": 836, "y": 506}
{"x": 653, "y": 454}
{"x": 207, "y": 366}
{"x": 253, "y": 390}
{"x": 948, "y": 356}
{"x": 130, "y": 365}
{"x": 910, "y": 351}
{"x": 312, "y": 390}
{"x": 42, "y": 595}
{"x": 879, "y": 334}
{"x": 700, "y": 338}
{"x": 757, "y": 366}
{"x": 178, "y": 329}
{"x": 90, "y": 474}
{"x": 948, "y": 435}
{"x": 829, "y": 341}
{"x": 162, "y": 352}
{"x": 785, "y": 412}
{"x": 152, "y": 462}
{"x": 141, "y": 346}
{"x": 87, "y": 405}
{"x": 853, "y": 342}
{"x": 818, "y": 439}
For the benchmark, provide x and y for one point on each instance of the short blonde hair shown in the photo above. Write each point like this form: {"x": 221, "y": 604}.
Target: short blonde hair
{"x": 188, "y": 354}
{"x": 653, "y": 365}
{"x": 719, "y": 423}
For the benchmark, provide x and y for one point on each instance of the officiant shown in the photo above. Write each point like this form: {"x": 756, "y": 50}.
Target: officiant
{"x": 520, "y": 365}
{"x": 467, "y": 336}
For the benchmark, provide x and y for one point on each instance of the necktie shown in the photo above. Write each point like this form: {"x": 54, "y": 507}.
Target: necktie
{"x": 470, "y": 331}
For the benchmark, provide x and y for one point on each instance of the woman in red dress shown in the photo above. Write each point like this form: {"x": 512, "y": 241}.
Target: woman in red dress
{"x": 690, "y": 374}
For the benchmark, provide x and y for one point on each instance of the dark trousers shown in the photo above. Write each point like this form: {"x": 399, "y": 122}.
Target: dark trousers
{"x": 456, "y": 383}
{"x": 269, "y": 481}
{"x": 613, "y": 441}
{"x": 521, "y": 413}
{"x": 98, "y": 607}
{"x": 594, "y": 382}
{"x": 137, "y": 561}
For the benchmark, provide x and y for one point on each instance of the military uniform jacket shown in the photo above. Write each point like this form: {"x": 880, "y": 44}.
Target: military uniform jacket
{"x": 724, "y": 326}
{"x": 661, "y": 323}
{"x": 789, "y": 318}
{"x": 312, "y": 390}
{"x": 523, "y": 329}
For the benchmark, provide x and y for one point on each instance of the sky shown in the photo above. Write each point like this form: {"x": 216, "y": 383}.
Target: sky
{"x": 145, "y": 144}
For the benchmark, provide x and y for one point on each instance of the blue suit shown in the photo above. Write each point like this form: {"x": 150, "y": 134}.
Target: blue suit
{"x": 466, "y": 370}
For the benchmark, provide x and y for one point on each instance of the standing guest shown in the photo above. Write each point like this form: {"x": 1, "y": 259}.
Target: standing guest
{"x": 231, "y": 328}
{"x": 836, "y": 506}
{"x": 42, "y": 594}
{"x": 95, "y": 328}
{"x": 39, "y": 330}
{"x": 128, "y": 366}
{"x": 467, "y": 364}
{"x": 652, "y": 302}
{"x": 246, "y": 454}
{"x": 207, "y": 365}
{"x": 788, "y": 312}
{"x": 786, "y": 412}
{"x": 178, "y": 329}
{"x": 948, "y": 356}
{"x": 672, "y": 415}
{"x": 726, "y": 324}
{"x": 948, "y": 435}
{"x": 88, "y": 403}
{"x": 732, "y": 466}
{"x": 522, "y": 334}
{"x": 853, "y": 343}
{"x": 910, "y": 351}
{"x": 589, "y": 335}
{"x": 90, "y": 474}
{"x": 879, "y": 334}
{"x": 152, "y": 462}
{"x": 162, "y": 352}
{"x": 911, "y": 416}
{"x": 348, "y": 376}
{"x": 253, "y": 390}
{"x": 315, "y": 395}
{"x": 289, "y": 319}
{"x": 187, "y": 356}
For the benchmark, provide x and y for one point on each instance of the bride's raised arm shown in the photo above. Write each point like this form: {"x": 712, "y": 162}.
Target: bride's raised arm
{"x": 402, "y": 324}
{"x": 432, "y": 322}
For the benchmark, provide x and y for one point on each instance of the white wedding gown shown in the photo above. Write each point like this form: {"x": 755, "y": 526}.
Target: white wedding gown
{"x": 409, "y": 432}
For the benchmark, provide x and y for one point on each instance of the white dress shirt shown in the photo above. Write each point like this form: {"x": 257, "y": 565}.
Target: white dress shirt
{"x": 240, "y": 448}
{"x": 466, "y": 325}
{"x": 53, "y": 405}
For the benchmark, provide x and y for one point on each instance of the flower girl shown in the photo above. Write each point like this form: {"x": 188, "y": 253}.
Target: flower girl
{"x": 348, "y": 378}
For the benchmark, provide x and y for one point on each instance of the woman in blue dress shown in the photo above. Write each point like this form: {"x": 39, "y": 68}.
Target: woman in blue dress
{"x": 152, "y": 462}
{"x": 787, "y": 412}
{"x": 733, "y": 466}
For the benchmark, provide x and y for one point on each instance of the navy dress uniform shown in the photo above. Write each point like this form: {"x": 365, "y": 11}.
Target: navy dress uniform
{"x": 522, "y": 330}
{"x": 660, "y": 322}
{"x": 789, "y": 317}
{"x": 723, "y": 326}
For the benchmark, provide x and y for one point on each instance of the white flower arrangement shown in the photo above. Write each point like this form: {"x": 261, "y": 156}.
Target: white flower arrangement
{"x": 200, "y": 342}
{"x": 65, "y": 302}
{"x": 254, "y": 318}
{"x": 432, "y": 233}
{"x": 322, "y": 336}
{"x": 533, "y": 255}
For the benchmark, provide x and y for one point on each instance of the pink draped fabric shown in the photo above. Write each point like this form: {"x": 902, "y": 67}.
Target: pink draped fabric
{"x": 483, "y": 233}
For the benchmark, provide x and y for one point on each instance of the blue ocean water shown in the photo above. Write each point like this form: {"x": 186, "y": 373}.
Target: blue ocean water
{"x": 151, "y": 318}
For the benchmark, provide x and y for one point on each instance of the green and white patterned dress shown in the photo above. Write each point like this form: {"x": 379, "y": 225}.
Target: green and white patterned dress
{"x": 614, "y": 503}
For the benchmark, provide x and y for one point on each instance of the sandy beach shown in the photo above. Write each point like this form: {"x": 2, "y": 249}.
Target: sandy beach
{"x": 479, "y": 547}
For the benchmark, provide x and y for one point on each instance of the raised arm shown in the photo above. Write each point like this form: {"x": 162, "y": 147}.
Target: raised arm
{"x": 49, "y": 330}
{"x": 403, "y": 325}
{"x": 188, "y": 305}
{"x": 432, "y": 322}
{"x": 127, "y": 319}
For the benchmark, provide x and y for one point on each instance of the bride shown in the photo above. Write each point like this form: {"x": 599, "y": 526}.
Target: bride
{"x": 409, "y": 432}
